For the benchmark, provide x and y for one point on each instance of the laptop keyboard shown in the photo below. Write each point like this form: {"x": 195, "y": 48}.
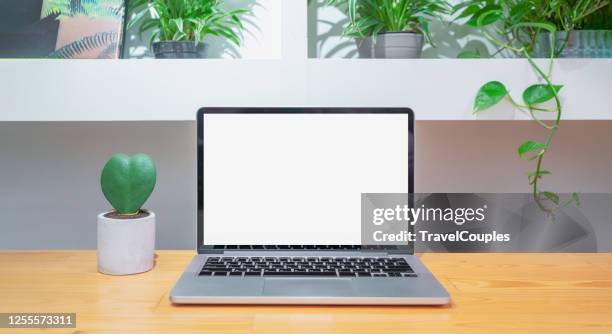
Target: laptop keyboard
{"x": 307, "y": 267}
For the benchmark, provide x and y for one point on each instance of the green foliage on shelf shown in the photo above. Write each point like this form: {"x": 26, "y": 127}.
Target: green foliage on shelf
{"x": 372, "y": 17}
{"x": 186, "y": 20}
{"x": 511, "y": 21}
{"x": 571, "y": 14}
{"x": 127, "y": 182}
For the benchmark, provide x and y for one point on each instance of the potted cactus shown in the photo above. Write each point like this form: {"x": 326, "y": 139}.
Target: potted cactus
{"x": 126, "y": 235}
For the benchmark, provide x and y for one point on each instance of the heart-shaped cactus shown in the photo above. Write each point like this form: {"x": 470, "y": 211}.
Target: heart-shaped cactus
{"x": 127, "y": 182}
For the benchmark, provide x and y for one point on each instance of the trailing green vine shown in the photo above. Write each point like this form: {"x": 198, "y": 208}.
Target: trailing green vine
{"x": 535, "y": 98}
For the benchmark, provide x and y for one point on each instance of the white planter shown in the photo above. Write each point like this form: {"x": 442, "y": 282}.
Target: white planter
{"x": 126, "y": 246}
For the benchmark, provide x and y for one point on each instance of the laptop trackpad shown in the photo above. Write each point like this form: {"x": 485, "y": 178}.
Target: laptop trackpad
{"x": 307, "y": 287}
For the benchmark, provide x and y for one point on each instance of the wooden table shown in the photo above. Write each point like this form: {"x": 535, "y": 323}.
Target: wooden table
{"x": 518, "y": 293}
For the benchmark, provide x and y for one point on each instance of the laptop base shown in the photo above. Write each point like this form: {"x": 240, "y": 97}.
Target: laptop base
{"x": 423, "y": 289}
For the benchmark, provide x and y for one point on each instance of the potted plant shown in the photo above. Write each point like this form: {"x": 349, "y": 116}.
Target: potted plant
{"x": 179, "y": 27}
{"x": 579, "y": 29}
{"x": 584, "y": 30}
{"x": 391, "y": 28}
{"x": 126, "y": 235}
{"x": 513, "y": 24}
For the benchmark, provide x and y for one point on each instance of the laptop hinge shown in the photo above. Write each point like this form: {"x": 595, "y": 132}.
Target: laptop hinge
{"x": 203, "y": 250}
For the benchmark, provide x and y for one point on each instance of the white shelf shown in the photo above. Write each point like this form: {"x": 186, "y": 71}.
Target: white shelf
{"x": 436, "y": 89}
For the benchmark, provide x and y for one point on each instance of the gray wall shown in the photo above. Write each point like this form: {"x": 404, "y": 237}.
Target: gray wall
{"x": 49, "y": 172}
{"x": 49, "y": 179}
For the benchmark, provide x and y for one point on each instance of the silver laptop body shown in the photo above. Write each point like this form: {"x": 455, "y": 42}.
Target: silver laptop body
{"x": 298, "y": 270}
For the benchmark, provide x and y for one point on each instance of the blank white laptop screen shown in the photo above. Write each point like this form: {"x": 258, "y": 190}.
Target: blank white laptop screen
{"x": 297, "y": 179}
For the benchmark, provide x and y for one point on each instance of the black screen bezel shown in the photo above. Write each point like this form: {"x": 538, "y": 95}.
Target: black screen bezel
{"x": 207, "y": 249}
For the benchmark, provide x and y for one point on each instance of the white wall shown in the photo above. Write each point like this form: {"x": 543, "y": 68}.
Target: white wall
{"x": 170, "y": 89}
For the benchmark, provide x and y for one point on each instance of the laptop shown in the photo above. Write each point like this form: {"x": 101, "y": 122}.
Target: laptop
{"x": 279, "y": 209}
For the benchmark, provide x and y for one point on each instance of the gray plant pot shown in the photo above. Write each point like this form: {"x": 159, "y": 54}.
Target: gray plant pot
{"x": 391, "y": 45}
{"x": 179, "y": 50}
{"x": 580, "y": 44}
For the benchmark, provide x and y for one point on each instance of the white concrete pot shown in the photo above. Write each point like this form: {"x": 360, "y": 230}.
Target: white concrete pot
{"x": 126, "y": 246}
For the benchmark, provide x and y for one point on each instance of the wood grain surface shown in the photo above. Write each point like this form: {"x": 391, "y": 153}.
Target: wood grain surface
{"x": 492, "y": 293}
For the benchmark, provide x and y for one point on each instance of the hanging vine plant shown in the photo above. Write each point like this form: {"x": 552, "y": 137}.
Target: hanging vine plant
{"x": 515, "y": 26}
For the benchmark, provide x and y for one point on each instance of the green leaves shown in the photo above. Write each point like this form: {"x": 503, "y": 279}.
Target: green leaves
{"x": 467, "y": 11}
{"x": 187, "y": 20}
{"x": 556, "y": 199}
{"x": 540, "y": 93}
{"x": 551, "y": 196}
{"x": 518, "y": 13}
{"x": 424, "y": 29}
{"x": 372, "y": 17}
{"x": 127, "y": 182}
{"x": 480, "y": 13}
{"x": 469, "y": 54}
{"x": 531, "y": 146}
{"x": 537, "y": 25}
{"x": 494, "y": 91}
{"x": 533, "y": 176}
{"x": 178, "y": 26}
{"x": 485, "y": 16}
{"x": 489, "y": 95}
{"x": 352, "y": 10}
